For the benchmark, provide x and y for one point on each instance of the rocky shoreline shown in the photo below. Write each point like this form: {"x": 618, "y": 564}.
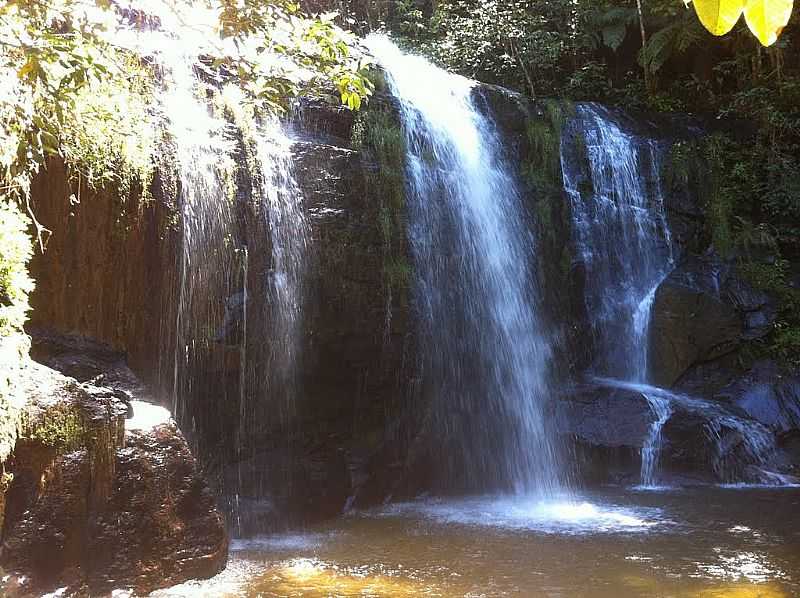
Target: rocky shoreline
{"x": 97, "y": 496}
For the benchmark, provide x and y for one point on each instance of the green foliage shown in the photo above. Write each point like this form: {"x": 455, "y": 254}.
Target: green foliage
{"x": 675, "y": 39}
{"x": 411, "y": 20}
{"x": 773, "y": 278}
{"x": 520, "y": 44}
{"x": 591, "y": 81}
{"x": 111, "y": 136}
{"x": 52, "y": 53}
{"x": 609, "y": 28}
{"x": 69, "y": 91}
{"x": 721, "y": 191}
{"x": 318, "y": 54}
{"x": 62, "y": 429}
{"x": 13, "y": 352}
{"x": 737, "y": 192}
{"x": 15, "y": 284}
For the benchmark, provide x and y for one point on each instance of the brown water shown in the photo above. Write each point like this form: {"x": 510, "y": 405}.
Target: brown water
{"x": 716, "y": 542}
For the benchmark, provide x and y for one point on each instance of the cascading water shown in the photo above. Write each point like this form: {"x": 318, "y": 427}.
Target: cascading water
{"x": 238, "y": 294}
{"x": 620, "y": 230}
{"x": 209, "y": 265}
{"x": 737, "y": 442}
{"x": 288, "y": 229}
{"x": 484, "y": 359}
{"x": 278, "y": 245}
{"x": 621, "y": 234}
{"x": 652, "y": 447}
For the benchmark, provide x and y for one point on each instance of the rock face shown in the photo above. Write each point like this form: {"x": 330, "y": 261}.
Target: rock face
{"x": 354, "y": 431}
{"x": 606, "y": 429}
{"x": 161, "y": 517}
{"x": 703, "y": 311}
{"x": 312, "y": 452}
{"x": 93, "y": 508}
{"x": 699, "y": 441}
{"x": 108, "y": 270}
{"x": 604, "y": 416}
{"x": 768, "y": 394}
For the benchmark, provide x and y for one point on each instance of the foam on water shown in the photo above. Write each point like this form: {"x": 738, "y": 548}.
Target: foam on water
{"x": 513, "y": 513}
{"x": 279, "y": 543}
{"x": 232, "y": 581}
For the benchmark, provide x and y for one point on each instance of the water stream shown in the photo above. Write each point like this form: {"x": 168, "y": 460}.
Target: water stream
{"x": 242, "y": 257}
{"x": 612, "y": 178}
{"x": 517, "y": 526}
{"x": 738, "y": 442}
{"x": 484, "y": 357}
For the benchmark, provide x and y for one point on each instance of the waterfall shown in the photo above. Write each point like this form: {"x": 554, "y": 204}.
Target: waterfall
{"x": 289, "y": 232}
{"x": 278, "y": 243}
{"x": 620, "y": 230}
{"x": 662, "y": 409}
{"x": 612, "y": 178}
{"x": 484, "y": 360}
{"x": 233, "y": 335}
{"x": 737, "y": 442}
{"x": 208, "y": 266}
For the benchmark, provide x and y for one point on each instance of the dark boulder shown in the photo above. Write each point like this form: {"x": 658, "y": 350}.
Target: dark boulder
{"x": 700, "y": 441}
{"x": 701, "y": 312}
{"x": 605, "y": 429}
{"x": 92, "y": 507}
{"x": 160, "y": 526}
{"x": 605, "y": 416}
{"x": 767, "y": 394}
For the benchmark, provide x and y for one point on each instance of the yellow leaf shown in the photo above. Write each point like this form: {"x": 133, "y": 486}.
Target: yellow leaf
{"x": 719, "y": 16}
{"x": 767, "y": 18}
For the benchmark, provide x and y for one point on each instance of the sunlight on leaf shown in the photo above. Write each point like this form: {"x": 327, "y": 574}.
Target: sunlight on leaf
{"x": 719, "y": 16}
{"x": 767, "y": 18}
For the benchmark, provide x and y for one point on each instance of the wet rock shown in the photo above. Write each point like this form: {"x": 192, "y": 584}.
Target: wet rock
{"x": 91, "y": 507}
{"x": 687, "y": 447}
{"x": 106, "y": 281}
{"x": 605, "y": 416}
{"x": 160, "y": 526}
{"x": 324, "y": 120}
{"x": 605, "y": 428}
{"x": 722, "y": 444}
{"x": 509, "y": 109}
{"x": 768, "y": 394}
{"x": 280, "y": 488}
{"x": 701, "y": 441}
{"x": 701, "y": 312}
{"x": 230, "y": 332}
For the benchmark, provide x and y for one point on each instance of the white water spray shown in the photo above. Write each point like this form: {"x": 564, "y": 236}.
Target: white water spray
{"x": 484, "y": 357}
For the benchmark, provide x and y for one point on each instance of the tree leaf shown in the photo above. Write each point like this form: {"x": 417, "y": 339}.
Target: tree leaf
{"x": 767, "y": 18}
{"x": 614, "y": 35}
{"x": 719, "y": 16}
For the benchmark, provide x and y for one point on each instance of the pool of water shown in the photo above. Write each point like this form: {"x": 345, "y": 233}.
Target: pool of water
{"x": 712, "y": 542}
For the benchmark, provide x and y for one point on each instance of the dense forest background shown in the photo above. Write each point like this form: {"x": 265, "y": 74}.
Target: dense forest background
{"x": 594, "y": 51}
{"x": 68, "y": 90}
{"x": 646, "y": 56}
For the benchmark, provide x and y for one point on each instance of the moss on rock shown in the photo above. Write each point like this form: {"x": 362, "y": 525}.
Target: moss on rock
{"x": 379, "y": 133}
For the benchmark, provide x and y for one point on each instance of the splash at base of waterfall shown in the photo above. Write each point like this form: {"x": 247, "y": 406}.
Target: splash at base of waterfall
{"x": 688, "y": 544}
{"x": 562, "y": 515}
